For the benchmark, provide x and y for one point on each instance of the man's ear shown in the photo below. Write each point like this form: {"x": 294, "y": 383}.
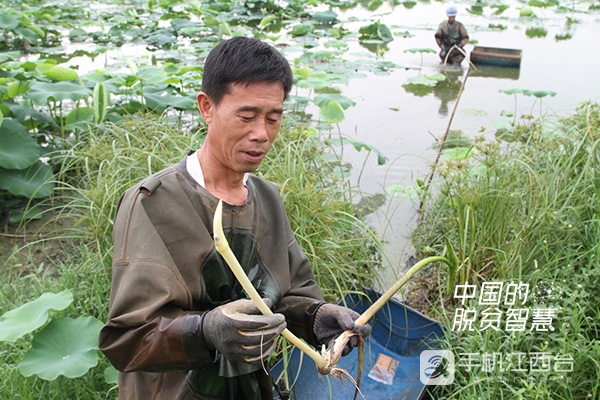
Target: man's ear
{"x": 206, "y": 106}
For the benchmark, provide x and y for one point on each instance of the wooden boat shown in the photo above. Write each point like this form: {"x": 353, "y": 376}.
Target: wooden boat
{"x": 399, "y": 332}
{"x": 496, "y": 56}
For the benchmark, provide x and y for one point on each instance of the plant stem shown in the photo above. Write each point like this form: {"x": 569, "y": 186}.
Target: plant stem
{"x": 225, "y": 251}
{"x": 370, "y": 312}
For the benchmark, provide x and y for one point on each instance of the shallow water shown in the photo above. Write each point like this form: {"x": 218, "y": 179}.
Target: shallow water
{"x": 403, "y": 125}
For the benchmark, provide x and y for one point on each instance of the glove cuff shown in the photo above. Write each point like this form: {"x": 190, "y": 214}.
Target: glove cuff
{"x": 196, "y": 349}
{"x": 309, "y": 324}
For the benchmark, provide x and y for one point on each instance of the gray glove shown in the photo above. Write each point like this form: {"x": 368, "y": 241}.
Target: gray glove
{"x": 241, "y": 333}
{"x": 331, "y": 320}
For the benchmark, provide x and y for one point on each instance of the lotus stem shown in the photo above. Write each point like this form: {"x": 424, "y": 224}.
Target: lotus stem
{"x": 223, "y": 248}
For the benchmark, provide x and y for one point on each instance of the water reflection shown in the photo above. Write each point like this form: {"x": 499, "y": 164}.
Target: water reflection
{"x": 448, "y": 89}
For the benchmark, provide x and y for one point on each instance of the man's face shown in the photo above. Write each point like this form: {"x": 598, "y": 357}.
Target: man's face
{"x": 451, "y": 19}
{"x": 243, "y": 126}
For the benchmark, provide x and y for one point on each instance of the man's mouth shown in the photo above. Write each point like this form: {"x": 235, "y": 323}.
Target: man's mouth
{"x": 254, "y": 156}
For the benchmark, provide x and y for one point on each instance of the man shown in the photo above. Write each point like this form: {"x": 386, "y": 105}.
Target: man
{"x": 451, "y": 33}
{"x": 179, "y": 325}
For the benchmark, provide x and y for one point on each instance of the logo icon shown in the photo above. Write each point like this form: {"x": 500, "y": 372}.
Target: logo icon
{"x": 437, "y": 367}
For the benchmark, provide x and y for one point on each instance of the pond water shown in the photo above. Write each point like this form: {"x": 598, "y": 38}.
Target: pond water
{"x": 404, "y": 125}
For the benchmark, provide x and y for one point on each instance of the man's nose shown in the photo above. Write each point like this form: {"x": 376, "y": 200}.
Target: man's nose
{"x": 259, "y": 131}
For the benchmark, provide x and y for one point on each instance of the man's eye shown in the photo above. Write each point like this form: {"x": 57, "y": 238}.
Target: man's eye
{"x": 246, "y": 119}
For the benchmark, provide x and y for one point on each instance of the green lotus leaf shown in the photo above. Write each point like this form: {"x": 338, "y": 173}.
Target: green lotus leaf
{"x": 152, "y": 75}
{"x": 41, "y": 92}
{"x": 314, "y": 82}
{"x": 60, "y": 73}
{"x": 422, "y": 80}
{"x": 18, "y": 150}
{"x": 325, "y": 17}
{"x": 32, "y": 315}
{"x": 407, "y": 191}
{"x": 502, "y": 123}
{"x": 512, "y": 91}
{"x": 539, "y": 93}
{"x": 29, "y": 214}
{"x": 332, "y": 112}
{"x": 80, "y": 118}
{"x": 436, "y": 77}
{"x": 474, "y": 112}
{"x": 459, "y": 153}
{"x": 322, "y": 100}
{"x": 111, "y": 375}
{"x": 64, "y": 347}
{"x": 338, "y": 44}
{"x": 9, "y": 21}
{"x": 421, "y": 50}
{"x": 302, "y": 29}
{"x": 160, "y": 102}
{"x": 36, "y": 181}
{"x": 359, "y": 145}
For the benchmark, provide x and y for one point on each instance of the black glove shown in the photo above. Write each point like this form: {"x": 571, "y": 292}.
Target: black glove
{"x": 241, "y": 333}
{"x": 331, "y": 320}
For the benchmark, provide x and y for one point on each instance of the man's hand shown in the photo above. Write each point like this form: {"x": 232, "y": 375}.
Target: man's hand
{"x": 241, "y": 333}
{"x": 331, "y": 320}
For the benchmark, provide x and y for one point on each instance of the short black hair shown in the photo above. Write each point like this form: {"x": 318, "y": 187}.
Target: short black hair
{"x": 244, "y": 60}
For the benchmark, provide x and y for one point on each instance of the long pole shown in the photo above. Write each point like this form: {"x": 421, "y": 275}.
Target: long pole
{"x": 439, "y": 153}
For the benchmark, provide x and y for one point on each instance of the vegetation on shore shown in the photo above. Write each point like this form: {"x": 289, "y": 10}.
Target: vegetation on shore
{"x": 526, "y": 212}
{"x": 81, "y": 212}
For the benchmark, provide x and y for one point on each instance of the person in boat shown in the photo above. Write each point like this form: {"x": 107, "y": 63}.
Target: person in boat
{"x": 179, "y": 324}
{"x": 451, "y": 36}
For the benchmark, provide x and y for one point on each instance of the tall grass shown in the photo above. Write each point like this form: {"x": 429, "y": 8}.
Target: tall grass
{"x": 94, "y": 174}
{"x": 533, "y": 217}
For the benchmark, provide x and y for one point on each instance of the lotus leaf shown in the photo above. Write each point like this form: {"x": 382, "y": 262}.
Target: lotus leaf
{"x": 161, "y": 102}
{"x": 303, "y": 72}
{"x": 152, "y": 75}
{"x": 267, "y": 20}
{"x": 422, "y": 80}
{"x": 322, "y": 100}
{"x": 29, "y": 214}
{"x": 10, "y": 55}
{"x": 325, "y": 17}
{"x": 407, "y": 191}
{"x": 338, "y": 44}
{"x": 539, "y": 93}
{"x": 9, "y": 21}
{"x": 512, "y": 91}
{"x": 18, "y": 150}
{"x": 41, "y": 92}
{"x": 459, "y": 153}
{"x": 314, "y": 82}
{"x": 64, "y": 347}
{"x": 437, "y": 77}
{"x": 332, "y": 113}
{"x": 80, "y": 118}
{"x": 32, "y": 315}
{"x": 16, "y": 88}
{"x": 526, "y": 12}
{"x": 30, "y": 34}
{"x": 37, "y": 181}
{"x": 377, "y": 31}
{"x": 421, "y": 50}
{"x": 359, "y": 145}
{"x": 502, "y": 123}
{"x": 474, "y": 112}
{"x": 111, "y": 375}
{"x": 302, "y": 29}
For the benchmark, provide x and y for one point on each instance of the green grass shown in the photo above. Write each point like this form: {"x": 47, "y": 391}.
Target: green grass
{"x": 532, "y": 217}
{"x": 75, "y": 250}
